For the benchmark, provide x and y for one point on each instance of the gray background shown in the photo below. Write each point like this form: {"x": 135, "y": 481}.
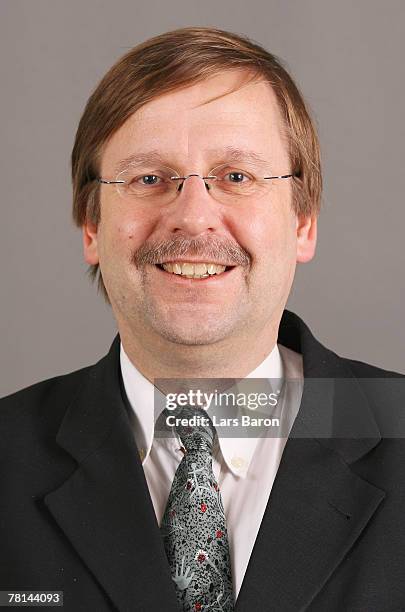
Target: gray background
{"x": 346, "y": 56}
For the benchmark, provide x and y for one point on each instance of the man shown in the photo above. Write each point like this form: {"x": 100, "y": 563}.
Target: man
{"x": 197, "y": 184}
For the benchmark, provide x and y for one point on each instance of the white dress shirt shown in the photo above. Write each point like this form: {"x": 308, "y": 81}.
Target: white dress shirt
{"x": 245, "y": 468}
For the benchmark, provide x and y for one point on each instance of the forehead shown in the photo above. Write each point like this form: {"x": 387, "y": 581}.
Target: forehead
{"x": 227, "y": 110}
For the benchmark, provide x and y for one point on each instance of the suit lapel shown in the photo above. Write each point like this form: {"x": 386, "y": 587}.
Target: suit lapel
{"x": 104, "y": 507}
{"x": 317, "y": 510}
{"x": 318, "y": 506}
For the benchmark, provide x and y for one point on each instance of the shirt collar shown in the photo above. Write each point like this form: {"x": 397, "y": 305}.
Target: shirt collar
{"x": 141, "y": 396}
{"x": 237, "y": 452}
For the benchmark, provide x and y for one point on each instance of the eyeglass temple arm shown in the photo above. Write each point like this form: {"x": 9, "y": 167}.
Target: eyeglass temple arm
{"x": 100, "y": 180}
{"x": 281, "y": 177}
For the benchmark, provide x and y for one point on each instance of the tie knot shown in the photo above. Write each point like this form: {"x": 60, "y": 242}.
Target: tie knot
{"x": 195, "y": 430}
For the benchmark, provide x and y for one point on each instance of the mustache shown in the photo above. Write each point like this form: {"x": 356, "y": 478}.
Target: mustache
{"x": 207, "y": 248}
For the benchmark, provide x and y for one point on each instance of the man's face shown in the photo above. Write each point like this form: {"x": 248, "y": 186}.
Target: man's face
{"x": 260, "y": 236}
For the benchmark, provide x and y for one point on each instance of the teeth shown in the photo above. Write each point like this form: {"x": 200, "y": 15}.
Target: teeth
{"x": 187, "y": 268}
{"x": 200, "y": 268}
{"x": 190, "y": 270}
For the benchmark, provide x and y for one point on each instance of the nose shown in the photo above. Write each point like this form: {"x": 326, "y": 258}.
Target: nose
{"x": 193, "y": 211}
{"x": 181, "y": 182}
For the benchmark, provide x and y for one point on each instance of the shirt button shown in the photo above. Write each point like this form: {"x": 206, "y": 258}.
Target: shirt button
{"x": 238, "y": 462}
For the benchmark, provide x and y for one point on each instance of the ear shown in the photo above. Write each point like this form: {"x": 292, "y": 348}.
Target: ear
{"x": 306, "y": 238}
{"x": 90, "y": 244}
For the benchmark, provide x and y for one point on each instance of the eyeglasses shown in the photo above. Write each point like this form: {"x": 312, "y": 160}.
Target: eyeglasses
{"x": 159, "y": 185}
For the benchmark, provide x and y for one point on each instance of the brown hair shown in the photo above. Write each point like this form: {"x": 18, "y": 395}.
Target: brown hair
{"x": 169, "y": 62}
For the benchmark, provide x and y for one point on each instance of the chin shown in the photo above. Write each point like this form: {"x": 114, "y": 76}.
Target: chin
{"x": 191, "y": 335}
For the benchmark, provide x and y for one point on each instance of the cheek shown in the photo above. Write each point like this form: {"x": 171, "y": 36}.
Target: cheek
{"x": 268, "y": 235}
{"x": 123, "y": 234}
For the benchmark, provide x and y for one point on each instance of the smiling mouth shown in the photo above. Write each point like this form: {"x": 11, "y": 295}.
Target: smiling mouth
{"x": 200, "y": 270}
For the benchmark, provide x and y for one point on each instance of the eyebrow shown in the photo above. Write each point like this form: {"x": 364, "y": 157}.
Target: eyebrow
{"x": 235, "y": 154}
{"x": 140, "y": 157}
{"x": 223, "y": 155}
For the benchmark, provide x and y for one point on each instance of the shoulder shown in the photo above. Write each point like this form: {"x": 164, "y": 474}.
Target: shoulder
{"x": 384, "y": 391}
{"x": 362, "y": 369}
{"x": 29, "y": 423}
{"x": 42, "y": 404}
{"x": 64, "y": 383}
{"x": 382, "y": 387}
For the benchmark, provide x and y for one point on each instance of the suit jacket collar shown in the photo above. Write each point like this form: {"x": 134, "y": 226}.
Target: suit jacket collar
{"x": 317, "y": 509}
{"x": 334, "y": 408}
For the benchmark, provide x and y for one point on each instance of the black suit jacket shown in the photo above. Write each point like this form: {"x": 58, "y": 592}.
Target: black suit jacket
{"x": 76, "y": 514}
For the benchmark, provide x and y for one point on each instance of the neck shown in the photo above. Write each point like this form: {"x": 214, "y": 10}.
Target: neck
{"x": 234, "y": 357}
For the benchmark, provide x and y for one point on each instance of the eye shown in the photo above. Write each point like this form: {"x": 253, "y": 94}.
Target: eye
{"x": 232, "y": 176}
{"x": 144, "y": 180}
{"x": 148, "y": 179}
{"x": 236, "y": 177}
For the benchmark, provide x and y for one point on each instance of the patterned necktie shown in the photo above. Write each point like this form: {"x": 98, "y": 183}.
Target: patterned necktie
{"x": 193, "y": 525}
